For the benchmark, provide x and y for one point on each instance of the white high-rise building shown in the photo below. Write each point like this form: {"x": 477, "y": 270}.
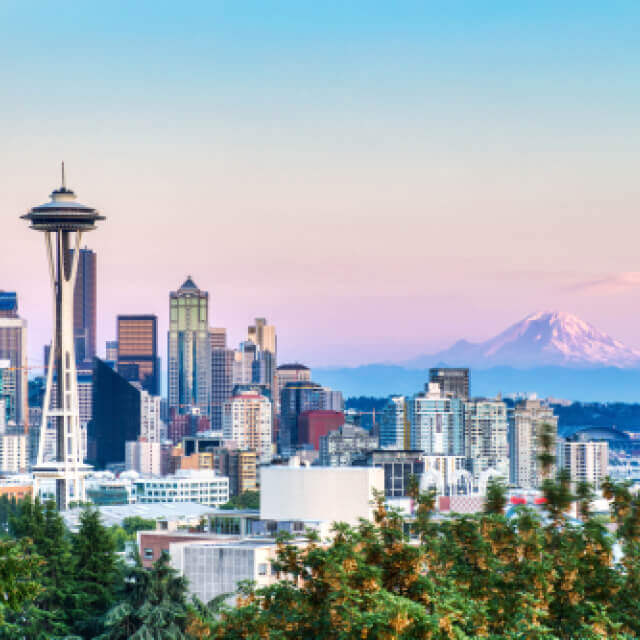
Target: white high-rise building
{"x": 13, "y": 368}
{"x": 150, "y": 422}
{"x": 486, "y": 437}
{"x": 143, "y": 456}
{"x": 525, "y": 428}
{"x": 246, "y": 420}
{"x": 586, "y": 461}
{"x": 437, "y": 422}
{"x": 13, "y": 453}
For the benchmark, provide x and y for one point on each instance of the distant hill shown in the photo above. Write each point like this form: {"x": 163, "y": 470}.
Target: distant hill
{"x": 595, "y": 384}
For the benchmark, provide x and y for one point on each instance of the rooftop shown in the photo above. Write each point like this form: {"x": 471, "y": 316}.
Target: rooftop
{"x": 115, "y": 514}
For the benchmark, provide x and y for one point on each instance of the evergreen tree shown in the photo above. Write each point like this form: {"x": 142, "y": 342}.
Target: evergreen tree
{"x": 154, "y": 607}
{"x": 95, "y": 572}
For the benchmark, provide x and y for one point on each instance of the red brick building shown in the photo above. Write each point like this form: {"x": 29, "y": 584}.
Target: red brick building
{"x": 316, "y": 423}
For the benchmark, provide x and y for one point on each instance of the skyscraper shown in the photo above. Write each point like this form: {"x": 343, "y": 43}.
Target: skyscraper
{"x": 263, "y": 335}
{"x": 111, "y": 351}
{"x": 437, "y": 422}
{"x": 294, "y": 372}
{"x": 138, "y": 350}
{"x": 394, "y": 426}
{"x": 247, "y": 422}
{"x": 296, "y": 398}
{"x": 222, "y": 366}
{"x": 116, "y": 416}
{"x": 84, "y": 307}
{"x": 453, "y": 382}
{"x": 189, "y": 350}
{"x": 524, "y": 432}
{"x": 13, "y": 350}
{"x": 486, "y": 437}
{"x": 218, "y": 338}
{"x": 8, "y": 304}
{"x": 586, "y": 461}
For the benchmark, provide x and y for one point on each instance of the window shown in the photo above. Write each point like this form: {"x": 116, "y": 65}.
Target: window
{"x": 148, "y": 554}
{"x": 263, "y": 569}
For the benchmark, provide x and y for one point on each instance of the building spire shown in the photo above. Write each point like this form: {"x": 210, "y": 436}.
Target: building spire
{"x": 64, "y": 186}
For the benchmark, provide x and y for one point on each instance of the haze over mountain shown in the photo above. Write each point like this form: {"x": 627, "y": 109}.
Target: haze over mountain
{"x": 551, "y": 353}
{"x": 545, "y": 338}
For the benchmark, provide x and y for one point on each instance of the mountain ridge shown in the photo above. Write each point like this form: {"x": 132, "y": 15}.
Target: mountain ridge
{"x": 543, "y": 338}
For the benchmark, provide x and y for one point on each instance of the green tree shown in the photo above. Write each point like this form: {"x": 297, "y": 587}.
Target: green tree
{"x": 95, "y": 572}
{"x": 154, "y": 605}
{"x": 18, "y": 577}
{"x": 246, "y": 500}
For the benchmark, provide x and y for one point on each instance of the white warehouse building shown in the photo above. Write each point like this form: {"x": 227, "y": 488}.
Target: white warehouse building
{"x": 319, "y": 494}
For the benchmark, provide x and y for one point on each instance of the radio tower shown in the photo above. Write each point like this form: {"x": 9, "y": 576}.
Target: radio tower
{"x": 63, "y": 221}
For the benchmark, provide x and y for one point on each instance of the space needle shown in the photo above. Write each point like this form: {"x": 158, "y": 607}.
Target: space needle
{"x": 63, "y": 221}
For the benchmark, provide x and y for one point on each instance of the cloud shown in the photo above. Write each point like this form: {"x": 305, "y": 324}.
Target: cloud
{"x": 612, "y": 283}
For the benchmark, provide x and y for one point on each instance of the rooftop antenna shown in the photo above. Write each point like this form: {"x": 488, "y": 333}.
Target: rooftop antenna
{"x": 64, "y": 186}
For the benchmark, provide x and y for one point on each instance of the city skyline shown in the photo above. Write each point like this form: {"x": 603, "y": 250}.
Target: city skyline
{"x": 361, "y": 167}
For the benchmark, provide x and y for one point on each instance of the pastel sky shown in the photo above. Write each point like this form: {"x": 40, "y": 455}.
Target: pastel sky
{"x": 377, "y": 179}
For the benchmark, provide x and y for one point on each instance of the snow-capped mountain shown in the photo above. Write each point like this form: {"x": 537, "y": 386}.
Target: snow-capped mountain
{"x": 542, "y": 339}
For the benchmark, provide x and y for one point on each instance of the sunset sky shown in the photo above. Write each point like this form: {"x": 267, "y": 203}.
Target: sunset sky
{"x": 377, "y": 179}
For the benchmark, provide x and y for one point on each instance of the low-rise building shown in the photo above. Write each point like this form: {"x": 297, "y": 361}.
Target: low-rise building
{"x": 216, "y": 568}
{"x": 345, "y": 445}
{"x": 318, "y": 494}
{"x": 203, "y": 487}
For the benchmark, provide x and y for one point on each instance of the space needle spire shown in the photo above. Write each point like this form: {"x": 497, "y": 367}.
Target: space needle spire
{"x": 63, "y": 221}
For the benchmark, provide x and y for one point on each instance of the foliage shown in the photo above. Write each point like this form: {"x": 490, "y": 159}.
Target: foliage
{"x": 130, "y": 527}
{"x": 154, "y": 605}
{"x": 530, "y": 573}
{"x": 246, "y": 500}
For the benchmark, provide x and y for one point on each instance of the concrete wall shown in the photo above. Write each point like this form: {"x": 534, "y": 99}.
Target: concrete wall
{"x": 331, "y": 494}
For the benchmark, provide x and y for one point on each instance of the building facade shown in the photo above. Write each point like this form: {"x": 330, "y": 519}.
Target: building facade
{"x": 138, "y": 351}
{"x": 314, "y": 424}
{"x": 453, "y": 382}
{"x": 247, "y": 421}
{"x": 203, "y": 487}
{"x": 13, "y": 360}
{"x": 586, "y": 461}
{"x": 13, "y": 453}
{"x": 85, "y": 307}
{"x": 394, "y": 425}
{"x": 143, "y": 456}
{"x": 116, "y": 416}
{"x": 437, "y": 422}
{"x": 295, "y": 399}
{"x": 486, "y": 437}
{"x": 222, "y": 367}
{"x": 346, "y": 445}
{"x": 189, "y": 350}
{"x": 525, "y": 427}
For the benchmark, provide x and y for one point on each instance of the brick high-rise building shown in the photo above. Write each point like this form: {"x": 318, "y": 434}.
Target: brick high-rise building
{"x": 138, "y": 351}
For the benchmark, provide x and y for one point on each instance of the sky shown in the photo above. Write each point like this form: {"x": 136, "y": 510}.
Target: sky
{"x": 377, "y": 179}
